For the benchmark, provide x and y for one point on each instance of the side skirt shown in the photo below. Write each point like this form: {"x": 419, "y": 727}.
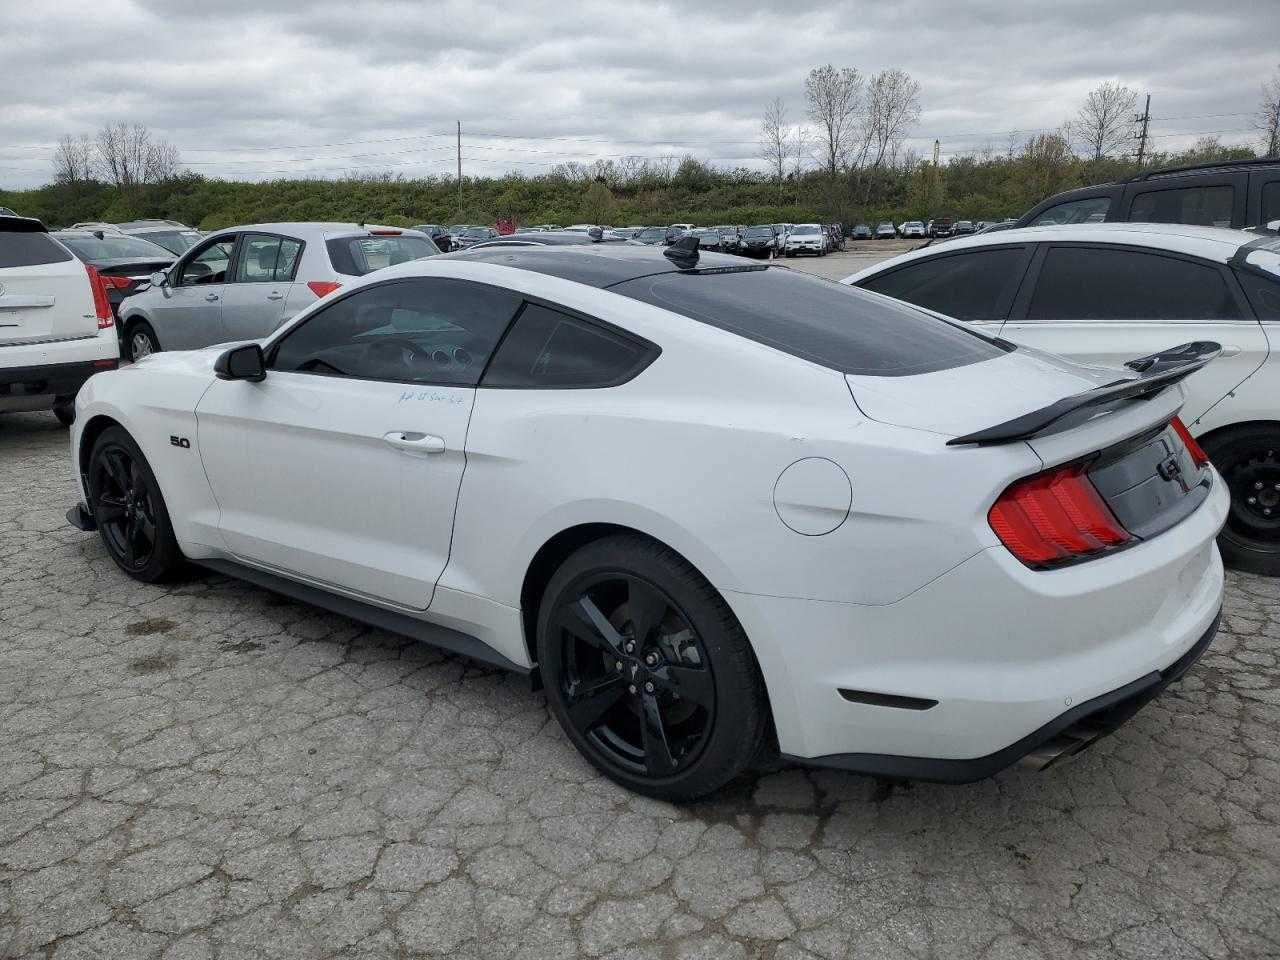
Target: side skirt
{"x": 454, "y": 641}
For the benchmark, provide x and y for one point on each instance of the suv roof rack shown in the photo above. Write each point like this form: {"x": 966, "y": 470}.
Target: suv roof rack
{"x": 1210, "y": 165}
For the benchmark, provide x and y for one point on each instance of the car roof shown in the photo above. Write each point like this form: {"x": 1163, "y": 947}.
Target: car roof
{"x": 1212, "y": 243}
{"x": 595, "y": 265}
{"x": 307, "y": 226}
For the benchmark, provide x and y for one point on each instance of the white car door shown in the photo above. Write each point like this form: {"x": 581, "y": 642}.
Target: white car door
{"x": 1107, "y": 304}
{"x": 343, "y": 465}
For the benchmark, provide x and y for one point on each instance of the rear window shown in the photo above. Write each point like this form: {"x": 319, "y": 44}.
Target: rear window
{"x": 29, "y": 249}
{"x": 356, "y": 256}
{"x": 1206, "y": 206}
{"x": 115, "y": 248}
{"x": 825, "y": 322}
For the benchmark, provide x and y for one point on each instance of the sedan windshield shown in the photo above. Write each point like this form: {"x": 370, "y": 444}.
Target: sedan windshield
{"x": 109, "y": 247}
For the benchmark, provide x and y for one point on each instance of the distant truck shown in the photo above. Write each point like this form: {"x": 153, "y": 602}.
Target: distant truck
{"x": 941, "y": 227}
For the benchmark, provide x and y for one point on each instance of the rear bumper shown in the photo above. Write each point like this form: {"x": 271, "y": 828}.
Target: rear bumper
{"x": 18, "y": 385}
{"x": 1064, "y": 736}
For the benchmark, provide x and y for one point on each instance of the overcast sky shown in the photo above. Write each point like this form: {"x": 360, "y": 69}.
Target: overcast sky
{"x": 255, "y": 90}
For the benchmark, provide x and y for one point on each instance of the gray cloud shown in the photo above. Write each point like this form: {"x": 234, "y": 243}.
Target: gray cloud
{"x": 247, "y": 89}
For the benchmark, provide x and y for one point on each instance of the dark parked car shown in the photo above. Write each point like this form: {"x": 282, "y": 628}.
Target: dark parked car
{"x": 1234, "y": 193}
{"x": 469, "y": 236}
{"x": 543, "y": 238}
{"x": 708, "y": 238}
{"x": 861, "y": 232}
{"x": 762, "y": 240}
{"x": 886, "y": 230}
{"x": 941, "y": 227}
{"x": 656, "y": 236}
{"x": 963, "y": 228}
{"x": 125, "y": 262}
{"x": 438, "y": 233}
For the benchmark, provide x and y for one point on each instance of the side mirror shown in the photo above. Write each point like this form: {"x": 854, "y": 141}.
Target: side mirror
{"x": 244, "y": 362}
{"x": 159, "y": 278}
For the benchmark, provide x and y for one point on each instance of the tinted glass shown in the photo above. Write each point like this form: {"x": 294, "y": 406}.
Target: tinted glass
{"x": 1263, "y": 293}
{"x": 1270, "y": 201}
{"x": 208, "y": 266}
{"x": 1092, "y": 210}
{"x": 258, "y": 258}
{"x": 410, "y": 331}
{"x": 829, "y": 323}
{"x": 28, "y": 249}
{"x": 967, "y": 286}
{"x": 1089, "y": 283}
{"x": 550, "y": 349}
{"x": 1207, "y": 206}
{"x": 89, "y": 247}
{"x": 356, "y": 256}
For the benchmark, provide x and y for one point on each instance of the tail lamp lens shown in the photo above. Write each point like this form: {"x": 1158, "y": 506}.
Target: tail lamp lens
{"x": 1055, "y": 517}
{"x": 322, "y": 288}
{"x": 1197, "y": 452}
{"x": 101, "y": 305}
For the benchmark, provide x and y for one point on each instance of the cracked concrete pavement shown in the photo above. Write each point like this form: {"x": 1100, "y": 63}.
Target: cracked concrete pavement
{"x": 208, "y": 770}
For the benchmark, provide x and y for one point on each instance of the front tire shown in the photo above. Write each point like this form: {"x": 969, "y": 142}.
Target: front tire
{"x": 141, "y": 341}
{"x": 129, "y": 509}
{"x": 648, "y": 671}
{"x": 1248, "y": 457}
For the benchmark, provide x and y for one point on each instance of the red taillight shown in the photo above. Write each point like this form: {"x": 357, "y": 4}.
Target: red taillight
{"x": 1055, "y": 517}
{"x": 1198, "y": 456}
{"x": 101, "y": 305}
{"x": 322, "y": 288}
{"x": 120, "y": 283}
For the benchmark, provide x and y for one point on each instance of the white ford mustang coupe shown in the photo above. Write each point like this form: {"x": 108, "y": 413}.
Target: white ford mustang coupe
{"x": 720, "y": 508}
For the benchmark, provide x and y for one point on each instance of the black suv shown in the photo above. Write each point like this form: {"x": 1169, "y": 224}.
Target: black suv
{"x": 1233, "y": 193}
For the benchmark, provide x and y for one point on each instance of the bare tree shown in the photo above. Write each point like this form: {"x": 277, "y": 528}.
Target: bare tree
{"x": 891, "y": 108}
{"x": 775, "y": 140}
{"x": 73, "y": 160}
{"x": 799, "y": 149}
{"x": 1268, "y": 119}
{"x": 128, "y": 156}
{"x": 833, "y": 97}
{"x": 1104, "y": 123}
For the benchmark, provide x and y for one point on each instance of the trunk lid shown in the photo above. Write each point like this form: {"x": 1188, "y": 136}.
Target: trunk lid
{"x": 44, "y": 291}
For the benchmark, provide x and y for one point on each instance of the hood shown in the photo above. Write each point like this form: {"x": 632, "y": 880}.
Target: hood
{"x": 187, "y": 361}
{"x": 965, "y": 399}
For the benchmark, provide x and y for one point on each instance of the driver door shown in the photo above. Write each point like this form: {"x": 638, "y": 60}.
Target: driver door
{"x": 188, "y": 314}
{"x": 342, "y": 467}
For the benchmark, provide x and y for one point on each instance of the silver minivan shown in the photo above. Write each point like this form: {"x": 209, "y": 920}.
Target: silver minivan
{"x": 243, "y": 282}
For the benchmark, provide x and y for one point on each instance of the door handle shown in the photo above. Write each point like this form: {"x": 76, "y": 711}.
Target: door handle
{"x": 275, "y": 295}
{"x": 212, "y": 297}
{"x": 414, "y": 442}
{"x": 1229, "y": 350}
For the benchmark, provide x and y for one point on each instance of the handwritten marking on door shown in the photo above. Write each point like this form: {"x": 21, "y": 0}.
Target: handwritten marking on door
{"x": 428, "y": 396}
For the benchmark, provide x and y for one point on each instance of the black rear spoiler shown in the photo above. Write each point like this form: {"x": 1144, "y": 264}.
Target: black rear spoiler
{"x": 1155, "y": 372}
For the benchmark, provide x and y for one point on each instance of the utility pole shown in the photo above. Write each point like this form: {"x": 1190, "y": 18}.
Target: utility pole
{"x": 460, "y": 170}
{"x": 1144, "y": 118}
{"x": 937, "y": 149}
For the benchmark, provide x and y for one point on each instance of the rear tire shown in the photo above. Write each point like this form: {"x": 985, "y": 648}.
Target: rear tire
{"x": 130, "y": 511}
{"x": 141, "y": 341}
{"x": 648, "y": 671}
{"x": 1248, "y": 457}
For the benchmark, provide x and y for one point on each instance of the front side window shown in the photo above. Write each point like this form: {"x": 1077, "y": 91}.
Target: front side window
{"x": 828, "y": 323}
{"x": 972, "y": 286}
{"x": 1094, "y": 283}
{"x": 209, "y": 265}
{"x": 1091, "y": 210}
{"x": 422, "y": 330}
{"x": 550, "y": 349}
{"x": 1206, "y": 206}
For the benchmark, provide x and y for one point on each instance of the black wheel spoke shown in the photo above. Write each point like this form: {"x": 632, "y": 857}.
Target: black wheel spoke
{"x": 137, "y": 483}
{"x": 657, "y": 752}
{"x": 117, "y": 471}
{"x": 647, "y": 608}
{"x": 109, "y": 509}
{"x": 598, "y": 632}
{"x": 590, "y": 701}
{"x": 126, "y": 540}
{"x": 691, "y": 683}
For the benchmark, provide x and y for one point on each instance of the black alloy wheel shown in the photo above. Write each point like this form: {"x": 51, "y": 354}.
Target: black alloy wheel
{"x": 1249, "y": 460}
{"x": 648, "y": 671}
{"x": 129, "y": 510}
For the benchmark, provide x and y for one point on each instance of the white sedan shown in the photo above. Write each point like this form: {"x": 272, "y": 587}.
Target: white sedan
{"x": 1103, "y": 293}
{"x": 723, "y": 509}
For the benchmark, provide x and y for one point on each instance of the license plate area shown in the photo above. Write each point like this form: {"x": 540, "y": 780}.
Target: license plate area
{"x": 1151, "y": 483}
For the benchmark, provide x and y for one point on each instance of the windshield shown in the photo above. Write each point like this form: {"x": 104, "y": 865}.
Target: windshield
{"x": 828, "y": 323}
{"x": 356, "y": 256}
{"x": 805, "y": 229}
{"x": 175, "y": 241}
{"x": 114, "y": 247}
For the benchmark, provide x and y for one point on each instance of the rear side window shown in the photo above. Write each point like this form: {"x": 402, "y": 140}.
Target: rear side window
{"x": 553, "y": 350}
{"x": 1271, "y": 201}
{"x": 1092, "y": 283}
{"x": 356, "y": 256}
{"x": 1091, "y": 210}
{"x": 967, "y": 286}
{"x": 29, "y": 249}
{"x": 841, "y": 327}
{"x": 1206, "y": 206}
{"x": 1263, "y": 293}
